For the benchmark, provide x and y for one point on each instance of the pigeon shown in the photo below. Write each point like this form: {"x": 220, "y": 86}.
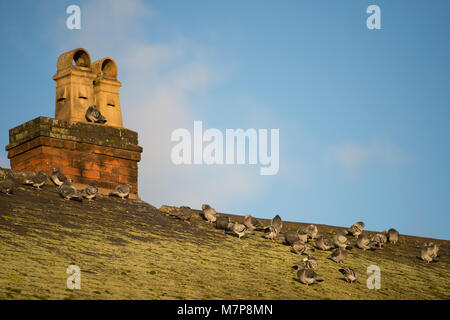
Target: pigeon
{"x": 253, "y": 223}
{"x": 277, "y": 223}
{"x": 349, "y": 274}
{"x": 7, "y": 185}
{"x": 392, "y": 236}
{"x": 302, "y": 236}
{"x": 324, "y": 243}
{"x": 222, "y": 223}
{"x": 427, "y": 254}
{"x": 308, "y": 276}
{"x": 67, "y": 191}
{"x": 239, "y": 229}
{"x": 94, "y": 115}
{"x": 312, "y": 231}
{"x": 121, "y": 191}
{"x": 356, "y": 229}
{"x": 340, "y": 241}
{"x": 291, "y": 236}
{"x": 434, "y": 248}
{"x": 270, "y": 233}
{"x": 379, "y": 239}
{"x": 90, "y": 192}
{"x": 37, "y": 180}
{"x": 300, "y": 247}
{"x": 209, "y": 213}
{"x": 339, "y": 255}
{"x": 363, "y": 242}
{"x": 57, "y": 177}
{"x": 307, "y": 263}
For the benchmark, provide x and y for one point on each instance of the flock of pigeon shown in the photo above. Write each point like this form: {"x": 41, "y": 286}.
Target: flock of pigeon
{"x": 301, "y": 242}
{"x": 65, "y": 187}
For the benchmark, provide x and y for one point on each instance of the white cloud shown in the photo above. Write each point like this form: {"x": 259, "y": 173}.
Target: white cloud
{"x": 158, "y": 80}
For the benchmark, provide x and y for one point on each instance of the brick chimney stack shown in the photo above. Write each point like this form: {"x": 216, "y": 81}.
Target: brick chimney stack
{"x": 89, "y": 153}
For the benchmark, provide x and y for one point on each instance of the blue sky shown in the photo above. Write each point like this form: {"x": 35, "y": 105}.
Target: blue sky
{"x": 363, "y": 114}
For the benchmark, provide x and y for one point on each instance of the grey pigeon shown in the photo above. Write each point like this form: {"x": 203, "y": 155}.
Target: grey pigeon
{"x": 392, "y": 236}
{"x": 122, "y": 191}
{"x": 270, "y": 233}
{"x": 223, "y": 223}
{"x": 252, "y": 223}
{"x": 67, "y": 191}
{"x": 350, "y": 274}
{"x": 94, "y": 115}
{"x": 290, "y": 236}
{"x": 37, "y": 180}
{"x": 277, "y": 223}
{"x": 239, "y": 229}
{"x": 57, "y": 177}
{"x": 340, "y": 241}
{"x": 432, "y": 250}
{"x": 312, "y": 231}
{"x": 7, "y": 185}
{"x": 209, "y": 213}
{"x": 90, "y": 192}
{"x": 435, "y": 249}
{"x": 308, "y": 276}
{"x": 356, "y": 229}
{"x": 339, "y": 255}
{"x": 379, "y": 239}
{"x": 300, "y": 247}
{"x": 307, "y": 263}
{"x": 302, "y": 236}
{"x": 363, "y": 242}
{"x": 427, "y": 254}
{"x": 324, "y": 243}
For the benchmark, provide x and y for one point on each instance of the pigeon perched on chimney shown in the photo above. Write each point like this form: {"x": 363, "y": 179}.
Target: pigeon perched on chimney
{"x": 308, "y": 276}
{"x": 339, "y": 255}
{"x": 121, "y": 191}
{"x": 90, "y": 192}
{"x": 57, "y": 177}
{"x": 209, "y": 213}
{"x": 7, "y": 185}
{"x": 37, "y": 180}
{"x": 350, "y": 274}
{"x": 94, "y": 115}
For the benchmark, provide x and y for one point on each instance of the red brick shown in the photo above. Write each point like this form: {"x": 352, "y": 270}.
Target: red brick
{"x": 92, "y": 174}
{"x": 71, "y": 171}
